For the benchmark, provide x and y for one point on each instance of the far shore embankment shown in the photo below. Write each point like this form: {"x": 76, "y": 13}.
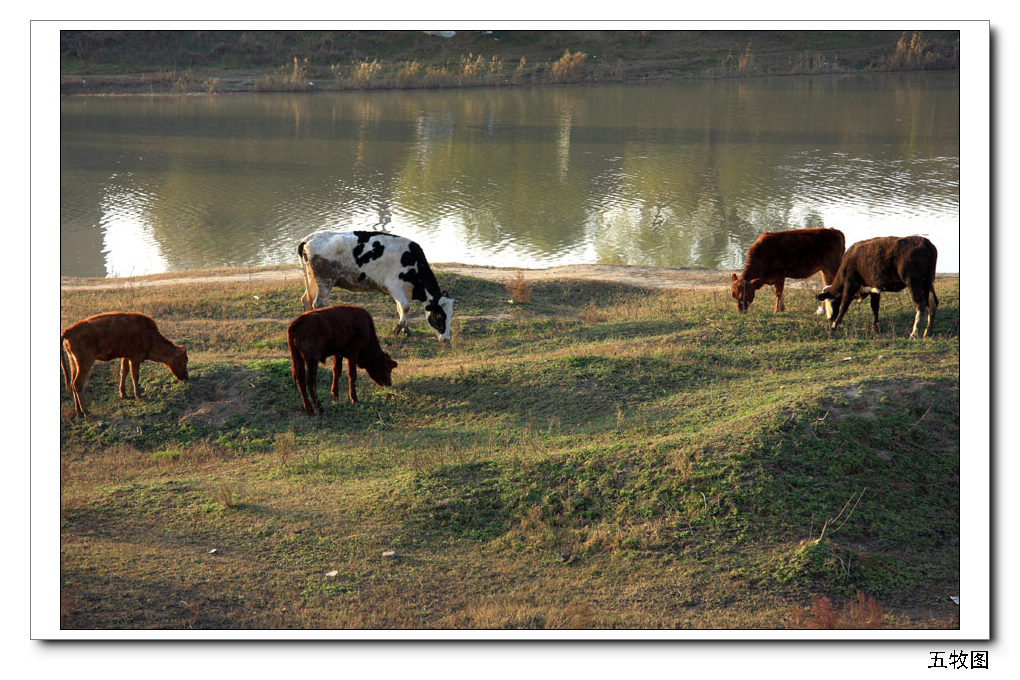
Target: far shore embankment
{"x": 634, "y": 275}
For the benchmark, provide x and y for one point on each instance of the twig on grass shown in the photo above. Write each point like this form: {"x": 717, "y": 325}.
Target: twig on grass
{"x": 833, "y": 520}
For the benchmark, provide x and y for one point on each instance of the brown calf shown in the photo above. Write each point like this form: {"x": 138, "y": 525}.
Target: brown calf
{"x": 886, "y": 264}
{"x": 778, "y": 255}
{"x": 339, "y": 331}
{"x": 129, "y": 336}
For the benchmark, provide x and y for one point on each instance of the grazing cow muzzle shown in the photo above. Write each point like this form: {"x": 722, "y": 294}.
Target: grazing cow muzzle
{"x": 439, "y": 315}
{"x": 742, "y": 292}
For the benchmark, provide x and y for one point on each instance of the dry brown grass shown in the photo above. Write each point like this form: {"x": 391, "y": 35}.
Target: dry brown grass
{"x": 916, "y": 52}
{"x": 365, "y": 72}
{"x": 384, "y": 609}
{"x": 519, "y": 288}
{"x": 510, "y": 612}
{"x": 285, "y": 446}
{"x": 864, "y": 612}
{"x": 568, "y": 67}
{"x": 225, "y": 495}
{"x": 745, "y": 62}
{"x": 815, "y": 62}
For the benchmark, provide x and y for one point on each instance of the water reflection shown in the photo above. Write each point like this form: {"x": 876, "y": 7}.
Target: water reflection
{"x": 679, "y": 175}
{"x": 128, "y": 244}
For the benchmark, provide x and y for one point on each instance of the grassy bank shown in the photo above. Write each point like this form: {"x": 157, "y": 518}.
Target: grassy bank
{"x": 599, "y": 456}
{"x": 272, "y": 61}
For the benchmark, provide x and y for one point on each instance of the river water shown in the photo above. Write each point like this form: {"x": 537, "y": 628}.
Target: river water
{"x": 674, "y": 174}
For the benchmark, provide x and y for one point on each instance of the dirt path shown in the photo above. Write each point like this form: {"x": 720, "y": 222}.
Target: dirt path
{"x": 634, "y": 275}
{"x": 649, "y": 277}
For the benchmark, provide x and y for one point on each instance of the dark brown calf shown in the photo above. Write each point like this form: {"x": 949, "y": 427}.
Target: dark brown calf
{"x": 886, "y": 264}
{"x": 341, "y": 331}
{"x": 779, "y": 255}
{"x": 129, "y": 336}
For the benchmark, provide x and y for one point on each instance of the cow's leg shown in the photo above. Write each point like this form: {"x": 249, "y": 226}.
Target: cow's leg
{"x": 352, "y": 376}
{"x": 933, "y": 305}
{"x": 309, "y": 294}
{"x": 79, "y": 376}
{"x": 72, "y": 374}
{"x": 826, "y": 306}
{"x": 322, "y": 289}
{"x": 844, "y": 305}
{"x": 123, "y": 376}
{"x": 311, "y": 378}
{"x": 334, "y": 388}
{"x": 874, "y": 308}
{"x": 403, "y": 305}
{"x": 778, "y": 287}
{"x": 919, "y": 311}
{"x": 135, "y": 364}
{"x": 920, "y": 299}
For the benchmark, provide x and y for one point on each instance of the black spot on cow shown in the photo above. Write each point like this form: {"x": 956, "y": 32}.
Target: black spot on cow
{"x": 360, "y": 256}
{"x": 417, "y": 291}
{"x": 361, "y": 277}
{"x": 420, "y": 277}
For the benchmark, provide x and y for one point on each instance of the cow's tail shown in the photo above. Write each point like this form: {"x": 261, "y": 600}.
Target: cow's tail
{"x": 64, "y": 367}
{"x": 308, "y": 298}
{"x": 297, "y": 361}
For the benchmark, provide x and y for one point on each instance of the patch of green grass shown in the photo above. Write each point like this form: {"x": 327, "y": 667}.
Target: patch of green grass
{"x": 638, "y": 440}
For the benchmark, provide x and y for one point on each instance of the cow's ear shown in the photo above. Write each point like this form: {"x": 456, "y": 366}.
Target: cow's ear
{"x": 826, "y": 295}
{"x": 733, "y": 276}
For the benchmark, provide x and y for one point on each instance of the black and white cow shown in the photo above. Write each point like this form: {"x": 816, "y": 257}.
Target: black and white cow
{"x": 368, "y": 260}
{"x": 886, "y": 264}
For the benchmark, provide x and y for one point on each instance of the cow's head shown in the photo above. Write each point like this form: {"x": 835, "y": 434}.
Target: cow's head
{"x": 178, "y": 363}
{"x": 826, "y": 297}
{"x": 743, "y": 291}
{"x": 439, "y": 314}
{"x": 380, "y": 368}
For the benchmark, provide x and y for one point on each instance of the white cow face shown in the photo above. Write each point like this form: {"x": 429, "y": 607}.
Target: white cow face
{"x": 439, "y": 314}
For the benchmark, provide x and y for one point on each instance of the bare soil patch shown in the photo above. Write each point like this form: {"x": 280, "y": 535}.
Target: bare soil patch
{"x": 649, "y": 277}
{"x": 694, "y": 278}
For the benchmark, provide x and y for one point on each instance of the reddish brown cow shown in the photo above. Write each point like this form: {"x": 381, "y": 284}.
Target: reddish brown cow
{"x": 886, "y": 263}
{"x": 339, "y": 331}
{"x": 129, "y": 336}
{"x": 779, "y": 255}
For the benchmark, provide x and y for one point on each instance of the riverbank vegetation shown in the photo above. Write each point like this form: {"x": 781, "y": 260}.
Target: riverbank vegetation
{"x": 267, "y": 61}
{"x": 582, "y": 455}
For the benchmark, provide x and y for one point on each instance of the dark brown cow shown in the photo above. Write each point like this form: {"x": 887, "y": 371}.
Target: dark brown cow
{"x": 886, "y": 264}
{"x": 129, "y": 336}
{"x": 339, "y": 331}
{"x": 779, "y": 255}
